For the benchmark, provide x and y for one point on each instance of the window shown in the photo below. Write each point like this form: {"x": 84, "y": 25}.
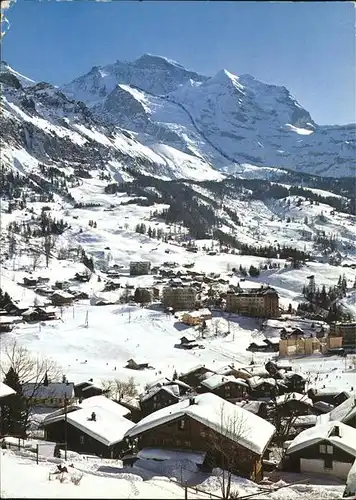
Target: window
{"x": 178, "y": 442}
{"x": 322, "y": 449}
{"x": 81, "y": 440}
{"x": 329, "y": 449}
{"x": 203, "y": 433}
{"x": 181, "y": 425}
{"x": 187, "y": 444}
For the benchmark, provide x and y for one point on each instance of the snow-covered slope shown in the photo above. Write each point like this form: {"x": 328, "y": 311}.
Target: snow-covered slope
{"x": 226, "y": 119}
{"x": 40, "y": 122}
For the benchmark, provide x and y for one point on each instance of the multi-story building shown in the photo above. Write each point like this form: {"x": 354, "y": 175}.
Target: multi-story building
{"x": 345, "y": 330}
{"x": 140, "y": 268}
{"x": 262, "y": 302}
{"x": 179, "y": 297}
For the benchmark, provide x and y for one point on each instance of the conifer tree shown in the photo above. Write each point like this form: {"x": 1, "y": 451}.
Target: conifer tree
{"x": 14, "y": 410}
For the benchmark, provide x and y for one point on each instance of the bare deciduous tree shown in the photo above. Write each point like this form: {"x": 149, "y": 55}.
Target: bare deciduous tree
{"x": 30, "y": 368}
{"x": 222, "y": 445}
{"x": 118, "y": 389}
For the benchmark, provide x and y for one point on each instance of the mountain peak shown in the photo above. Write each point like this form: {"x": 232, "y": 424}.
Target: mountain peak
{"x": 224, "y": 77}
{"x": 24, "y": 80}
{"x": 155, "y": 61}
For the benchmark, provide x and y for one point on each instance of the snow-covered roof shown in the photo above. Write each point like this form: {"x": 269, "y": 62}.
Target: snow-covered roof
{"x": 172, "y": 390}
{"x": 257, "y": 381}
{"x": 108, "y": 428}
{"x": 57, "y": 390}
{"x": 346, "y": 440}
{"x": 188, "y": 337}
{"x": 5, "y": 390}
{"x": 159, "y": 454}
{"x": 251, "y": 406}
{"x": 305, "y": 420}
{"x": 199, "y": 313}
{"x": 6, "y": 320}
{"x": 63, "y": 294}
{"x": 217, "y": 380}
{"x": 296, "y": 396}
{"x": 330, "y": 391}
{"x": 106, "y": 404}
{"x": 343, "y": 412}
{"x": 249, "y": 430}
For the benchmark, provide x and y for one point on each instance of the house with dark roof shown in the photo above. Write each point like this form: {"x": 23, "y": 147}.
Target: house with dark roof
{"x": 158, "y": 397}
{"x": 226, "y": 386}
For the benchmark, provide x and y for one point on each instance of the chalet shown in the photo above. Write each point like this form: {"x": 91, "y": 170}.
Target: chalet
{"x": 227, "y": 387}
{"x": 294, "y": 404}
{"x": 16, "y": 308}
{"x": 82, "y": 277}
{"x": 85, "y": 390}
{"x": 133, "y": 365}
{"x": 60, "y": 298}
{"x": 295, "y": 381}
{"x": 54, "y": 394}
{"x": 193, "y": 318}
{"x": 39, "y": 314}
{"x": 187, "y": 339}
{"x": 195, "y": 375}
{"x": 95, "y": 428}
{"x": 328, "y": 394}
{"x": 158, "y": 397}
{"x": 272, "y": 344}
{"x": 30, "y": 281}
{"x": 328, "y": 449}
{"x": 263, "y": 387}
{"x": 345, "y": 413}
{"x": 197, "y": 423}
{"x": 257, "y": 346}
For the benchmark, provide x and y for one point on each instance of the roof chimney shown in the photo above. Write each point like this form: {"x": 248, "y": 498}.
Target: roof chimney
{"x": 191, "y": 400}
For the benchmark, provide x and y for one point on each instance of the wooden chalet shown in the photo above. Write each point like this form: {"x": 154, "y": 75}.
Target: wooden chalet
{"x": 294, "y": 404}
{"x": 39, "y": 314}
{"x": 329, "y": 395}
{"x": 134, "y": 365}
{"x": 30, "y": 281}
{"x": 95, "y": 428}
{"x": 265, "y": 388}
{"x": 345, "y": 413}
{"x": 295, "y": 382}
{"x": 226, "y": 386}
{"x": 327, "y": 449}
{"x": 85, "y": 390}
{"x": 195, "y": 375}
{"x": 61, "y": 298}
{"x": 158, "y": 397}
{"x": 205, "y": 424}
{"x": 7, "y": 323}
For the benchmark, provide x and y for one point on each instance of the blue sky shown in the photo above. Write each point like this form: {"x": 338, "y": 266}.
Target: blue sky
{"x": 307, "y": 47}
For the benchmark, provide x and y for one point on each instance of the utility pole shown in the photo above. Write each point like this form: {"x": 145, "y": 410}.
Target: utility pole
{"x": 87, "y": 319}
{"x": 65, "y": 429}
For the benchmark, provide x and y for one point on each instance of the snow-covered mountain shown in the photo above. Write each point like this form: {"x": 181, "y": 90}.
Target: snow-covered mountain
{"x": 155, "y": 116}
{"x": 226, "y": 120}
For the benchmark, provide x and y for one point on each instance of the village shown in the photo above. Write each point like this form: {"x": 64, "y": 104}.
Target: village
{"x": 250, "y": 419}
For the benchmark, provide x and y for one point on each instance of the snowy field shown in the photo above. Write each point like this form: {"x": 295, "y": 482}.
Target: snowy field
{"x": 146, "y": 479}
